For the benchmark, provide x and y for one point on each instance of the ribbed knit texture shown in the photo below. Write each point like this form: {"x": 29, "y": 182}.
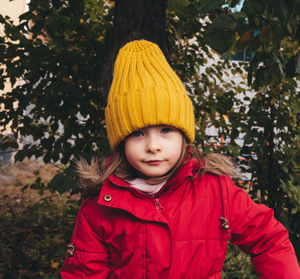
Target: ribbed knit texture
{"x": 145, "y": 91}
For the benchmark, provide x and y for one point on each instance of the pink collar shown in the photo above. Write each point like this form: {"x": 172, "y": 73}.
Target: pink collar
{"x": 141, "y": 184}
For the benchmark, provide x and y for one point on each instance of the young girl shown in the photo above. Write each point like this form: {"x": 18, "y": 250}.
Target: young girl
{"x": 157, "y": 208}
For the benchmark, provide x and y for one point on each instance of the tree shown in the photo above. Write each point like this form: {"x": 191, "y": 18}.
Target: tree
{"x": 63, "y": 65}
{"x": 134, "y": 20}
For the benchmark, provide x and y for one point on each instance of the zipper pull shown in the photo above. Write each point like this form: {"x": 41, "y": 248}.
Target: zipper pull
{"x": 224, "y": 223}
{"x": 157, "y": 205}
{"x": 70, "y": 250}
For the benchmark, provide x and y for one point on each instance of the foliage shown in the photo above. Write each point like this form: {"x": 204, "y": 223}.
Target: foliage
{"x": 52, "y": 59}
{"x": 33, "y": 240}
{"x": 237, "y": 265}
{"x": 213, "y": 89}
{"x": 271, "y": 126}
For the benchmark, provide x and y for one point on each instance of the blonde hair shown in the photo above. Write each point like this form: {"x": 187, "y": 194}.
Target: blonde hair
{"x": 93, "y": 175}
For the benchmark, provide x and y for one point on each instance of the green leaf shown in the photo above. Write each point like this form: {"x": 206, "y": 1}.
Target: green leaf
{"x": 220, "y": 34}
{"x": 219, "y": 40}
{"x": 297, "y": 36}
{"x": 177, "y": 5}
{"x": 64, "y": 182}
{"x": 290, "y": 70}
{"x": 225, "y": 22}
{"x": 210, "y": 5}
{"x": 281, "y": 9}
{"x": 297, "y": 63}
{"x": 252, "y": 7}
{"x": 20, "y": 155}
{"x": 8, "y": 142}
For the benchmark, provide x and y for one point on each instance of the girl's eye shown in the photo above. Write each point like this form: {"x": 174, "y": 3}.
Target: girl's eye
{"x": 137, "y": 134}
{"x": 166, "y": 130}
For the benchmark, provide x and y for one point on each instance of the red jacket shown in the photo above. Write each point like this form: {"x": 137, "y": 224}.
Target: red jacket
{"x": 177, "y": 233}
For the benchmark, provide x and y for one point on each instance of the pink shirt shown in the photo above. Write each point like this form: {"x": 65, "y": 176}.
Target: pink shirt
{"x": 140, "y": 184}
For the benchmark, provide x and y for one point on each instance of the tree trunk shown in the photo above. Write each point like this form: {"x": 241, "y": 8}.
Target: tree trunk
{"x": 134, "y": 20}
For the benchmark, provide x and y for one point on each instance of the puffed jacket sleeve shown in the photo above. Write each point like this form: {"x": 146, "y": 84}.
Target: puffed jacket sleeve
{"x": 255, "y": 230}
{"x": 90, "y": 258}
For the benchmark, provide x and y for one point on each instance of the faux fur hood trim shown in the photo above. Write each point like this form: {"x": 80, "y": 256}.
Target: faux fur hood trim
{"x": 90, "y": 175}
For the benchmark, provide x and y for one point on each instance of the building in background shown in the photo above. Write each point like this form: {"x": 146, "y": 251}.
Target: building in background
{"x": 13, "y": 9}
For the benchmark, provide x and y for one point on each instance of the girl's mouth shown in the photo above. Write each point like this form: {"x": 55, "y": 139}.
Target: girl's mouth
{"x": 153, "y": 162}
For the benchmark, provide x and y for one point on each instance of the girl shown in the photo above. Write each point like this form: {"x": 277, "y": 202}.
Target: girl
{"x": 164, "y": 210}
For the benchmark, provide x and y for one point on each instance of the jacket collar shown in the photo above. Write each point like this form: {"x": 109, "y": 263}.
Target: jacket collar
{"x": 117, "y": 193}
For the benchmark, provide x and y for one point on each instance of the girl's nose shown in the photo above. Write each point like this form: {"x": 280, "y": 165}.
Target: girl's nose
{"x": 152, "y": 145}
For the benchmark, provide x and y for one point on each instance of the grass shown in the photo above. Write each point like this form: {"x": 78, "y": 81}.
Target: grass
{"x": 35, "y": 224}
{"x": 13, "y": 178}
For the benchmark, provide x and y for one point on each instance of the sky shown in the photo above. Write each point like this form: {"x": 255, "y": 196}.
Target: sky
{"x": 239, "y": 6}
{"x": 27, "y": 3}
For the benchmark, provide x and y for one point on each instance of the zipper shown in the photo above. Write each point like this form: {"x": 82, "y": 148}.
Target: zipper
{"x": 157, "y": 204}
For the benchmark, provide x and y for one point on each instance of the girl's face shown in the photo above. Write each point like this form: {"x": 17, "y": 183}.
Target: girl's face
{"x": 154, "y": 150}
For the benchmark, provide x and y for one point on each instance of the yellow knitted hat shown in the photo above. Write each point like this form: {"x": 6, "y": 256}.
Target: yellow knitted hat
{"x": 145, "y": 91}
